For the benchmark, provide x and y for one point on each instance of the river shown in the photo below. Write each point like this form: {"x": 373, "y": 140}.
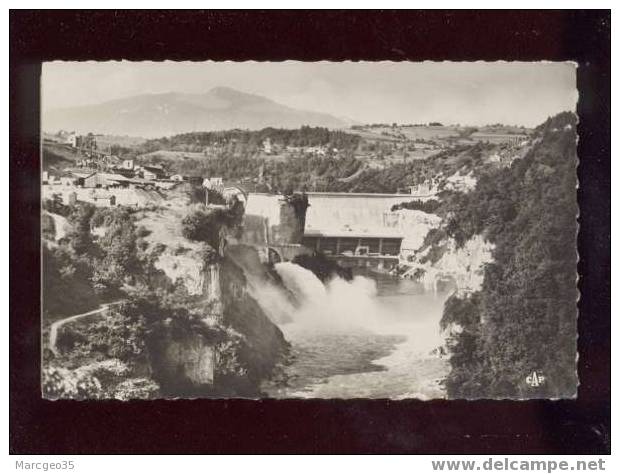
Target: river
{"x": 373, "y": 337}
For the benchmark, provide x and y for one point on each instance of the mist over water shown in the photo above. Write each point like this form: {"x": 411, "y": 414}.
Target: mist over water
{"x": 369, "y": 337}
{"x": 337, "y": 306}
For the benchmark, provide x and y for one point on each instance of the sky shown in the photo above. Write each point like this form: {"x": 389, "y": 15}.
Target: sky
{"x": 473, "y": 93}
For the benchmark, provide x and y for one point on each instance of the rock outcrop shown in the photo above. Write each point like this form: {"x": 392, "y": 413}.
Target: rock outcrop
{"x": 460, "y": 267}
{"x": 236, "y": 346}
{"x": 183, "y": 362}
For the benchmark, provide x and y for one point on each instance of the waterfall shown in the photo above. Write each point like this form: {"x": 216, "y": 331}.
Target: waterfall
{"x": 272, "y": 299}
{"x": 302, "y": 282}
{"x": 270, "y": 296}
{"x": 338, "y": 305}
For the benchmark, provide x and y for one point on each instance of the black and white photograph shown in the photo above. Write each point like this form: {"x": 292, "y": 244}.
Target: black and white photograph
{"x": 299, "y": 230}
{"x": 257, "y": 232}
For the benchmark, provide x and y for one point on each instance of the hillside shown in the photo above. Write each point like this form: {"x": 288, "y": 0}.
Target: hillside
{"x": 57, "y": 157}
{"x": 386, "y": 159}
{"x": 319, "y": 159}
{"x": 157, "y": 115}
{"x": 524, "y": 317}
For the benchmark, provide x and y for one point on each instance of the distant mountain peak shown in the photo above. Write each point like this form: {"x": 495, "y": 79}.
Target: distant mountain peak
{"x": 224, "y": 90}
{"x": 228, "y": 93}
{"x": 169, "y": 113}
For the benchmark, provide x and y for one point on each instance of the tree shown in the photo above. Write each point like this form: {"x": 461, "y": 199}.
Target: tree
{"x": 524, "y": 317}
{"x": 202, "y": 226}
{"x": 119, "y": 262}
{"x": 79, "y": 236}
{"x": 48, "y": 228}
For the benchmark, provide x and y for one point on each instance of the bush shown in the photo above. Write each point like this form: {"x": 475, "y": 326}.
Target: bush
{"x": 202, "y": 226}
{"x": 59, "y": 383}
{"x": 66, "y": 282}
{"x": 79, "y": 237}
{"x": 99, "y": 380}
{"x": 142, "y": 232}
{"x": 120, "y": 262}
{"x": 48, "y": 228}
{"x": 136, "y": 388}
{"x": 207, "y": 225}
{"x": 430, "y": 206}
{"x": 55, "y": 206}
{"x": 300, "y": 204}
{"x": 120, "y": 335}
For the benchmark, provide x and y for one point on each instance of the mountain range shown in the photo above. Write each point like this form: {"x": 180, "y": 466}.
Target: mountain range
{"x": 158, "y": 115}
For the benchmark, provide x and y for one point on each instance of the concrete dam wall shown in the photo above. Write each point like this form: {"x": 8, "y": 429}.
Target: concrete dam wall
{"x": 271, "y": 223}
{"x": 358, "y": 229}
{"x": 331, "y": 211}
{"x": 358, "y": 212}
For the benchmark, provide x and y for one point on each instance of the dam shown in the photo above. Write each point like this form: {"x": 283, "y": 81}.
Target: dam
{"x": 352, "y": 228}
{"x": 361, "y": 212}
{"x": 372, "y": 336}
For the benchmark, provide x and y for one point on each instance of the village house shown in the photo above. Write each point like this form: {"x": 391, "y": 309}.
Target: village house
{"x": 213, "y": 183}
{"x": 122, "y": 171}
{"x": 104, "y": 199}
{"x": 105, "y": 180}
{"x": 64, "y": 137}
{"x": 68, "y": 179}
{"x": 116, "y": 180}
{"x": 80, "y": 176}
{"x": 151, "y": 176}
{"x": 70, "y": 139}
{"x": 267, "y": 146}
{"x": 52, "y": 178}
{"x": 151, "y": 172}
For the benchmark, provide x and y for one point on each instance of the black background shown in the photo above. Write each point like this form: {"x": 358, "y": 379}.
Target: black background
{"x": 312, "y": 426}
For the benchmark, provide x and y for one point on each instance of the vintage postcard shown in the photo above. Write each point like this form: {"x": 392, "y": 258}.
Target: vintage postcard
{"x": 309, "y": 230}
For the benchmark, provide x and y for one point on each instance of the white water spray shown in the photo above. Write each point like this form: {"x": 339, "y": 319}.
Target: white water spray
{"x": 338, "y": 305}
{"x": 337, "y": 323}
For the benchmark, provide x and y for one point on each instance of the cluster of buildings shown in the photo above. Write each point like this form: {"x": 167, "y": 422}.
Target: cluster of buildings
{"x": 122, "y": 183}
{"x": 124, "y": 175}
{"x": 85, "y": 142}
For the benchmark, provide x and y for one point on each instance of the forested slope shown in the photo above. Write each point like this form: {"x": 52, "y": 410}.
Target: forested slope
{"x": 524, "y": 317}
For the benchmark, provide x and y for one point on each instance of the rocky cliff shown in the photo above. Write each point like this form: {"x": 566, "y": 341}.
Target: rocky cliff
{"x": 235, "y": 345}
{"x": 441, "y": 261}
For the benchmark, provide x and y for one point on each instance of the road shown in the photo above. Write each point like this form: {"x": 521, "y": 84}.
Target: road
{"x": 61, "y": 322}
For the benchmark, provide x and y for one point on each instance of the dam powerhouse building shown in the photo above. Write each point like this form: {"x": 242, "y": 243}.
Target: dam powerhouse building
{"x": 347, "y": 227}
{"x": 360, "y": 249}
{"x": 351, "y": 228}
